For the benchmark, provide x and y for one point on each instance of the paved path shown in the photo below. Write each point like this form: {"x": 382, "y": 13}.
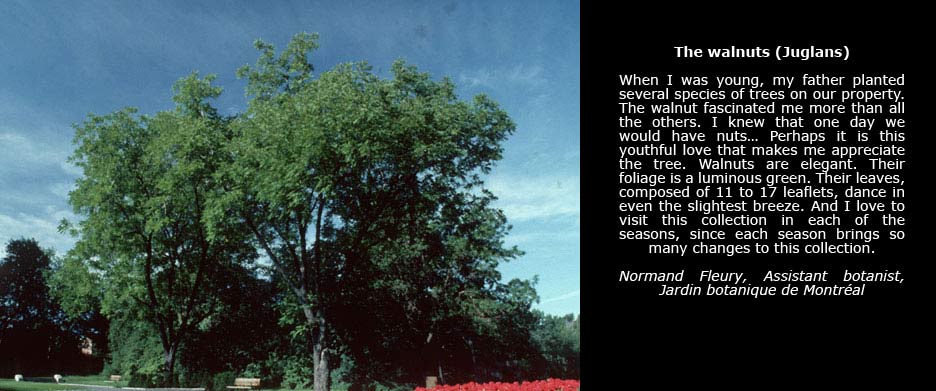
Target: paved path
{"x": 87, "y": 386}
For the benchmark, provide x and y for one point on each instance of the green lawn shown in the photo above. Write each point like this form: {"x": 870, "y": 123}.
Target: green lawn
{"x": 93, "y": 380}
{"x": 10, "y": 385}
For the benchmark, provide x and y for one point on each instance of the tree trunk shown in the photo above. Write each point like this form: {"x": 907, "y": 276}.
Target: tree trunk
{"x": 320, "y": 365}
{"x": 321, "y": 371}
{"x": 169, "y": 358}
{"x": 441, "y": 377}
{"x": 474, "y": 360}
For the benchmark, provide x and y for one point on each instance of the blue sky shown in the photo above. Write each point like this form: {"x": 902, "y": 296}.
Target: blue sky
{"x": 61, "y": 60}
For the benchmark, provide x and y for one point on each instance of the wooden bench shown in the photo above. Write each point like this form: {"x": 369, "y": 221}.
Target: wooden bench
{"x": 245, "y": 383}
{"x": 115, "y": 378}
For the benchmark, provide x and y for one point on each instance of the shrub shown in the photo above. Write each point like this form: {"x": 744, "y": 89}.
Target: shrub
{"x": 270, "y": 370}
{"x": 221, "y": 380}
{"x": 389, "y": 386}
{"x": 109, "y": 369}
{"x": 297, "y": 373}
{"x": 194, "y": 379}
{"x": 144, "y": 380}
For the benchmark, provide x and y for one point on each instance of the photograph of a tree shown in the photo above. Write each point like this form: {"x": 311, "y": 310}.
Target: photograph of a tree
{"x": 362, "y": 198}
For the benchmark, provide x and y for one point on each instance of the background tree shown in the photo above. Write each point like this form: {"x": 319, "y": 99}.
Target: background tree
{"x": 558, "y": 340}
{"x": 25, "y": 309}
{"x": 35, "y": 336}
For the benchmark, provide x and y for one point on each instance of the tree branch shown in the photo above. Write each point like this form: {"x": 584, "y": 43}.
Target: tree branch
{"x": 274, "y": 259}
{"x": 164, "y": 337}
{"x": 317, "y": 254}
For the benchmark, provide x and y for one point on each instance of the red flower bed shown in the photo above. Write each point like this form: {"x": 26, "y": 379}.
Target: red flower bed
{"x": 538, "y": 385}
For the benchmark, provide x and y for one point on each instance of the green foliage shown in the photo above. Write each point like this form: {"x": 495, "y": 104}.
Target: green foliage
{"x": 558, "y": 339}
{"x": 270, "y": 369}
{"x": 342, "y": 375}
{"x": 136, "y": 351}
{"x": 192, "y": 94}
{"x": 194, "y": 377}
{"x": 297, "y": 373}
{"x": 220, "y": 381}
{"x": 273, "y": 74}
{"x": 110, "y": 369}
{"x": 75, "y": 288}
{"x": 142, "y": 380}
{"x": 390, "y": 386}
{"x": 290, "y": 371}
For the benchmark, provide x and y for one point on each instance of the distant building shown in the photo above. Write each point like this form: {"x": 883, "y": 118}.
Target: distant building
{"x": 87, "y": 347}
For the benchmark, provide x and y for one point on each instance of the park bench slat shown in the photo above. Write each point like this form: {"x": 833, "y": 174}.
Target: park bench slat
{"x": 245, "y": 383}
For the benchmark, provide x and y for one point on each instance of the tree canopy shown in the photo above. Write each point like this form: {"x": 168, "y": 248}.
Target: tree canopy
{"x": 143, "y": 196}
{"x": 24, "y": 294}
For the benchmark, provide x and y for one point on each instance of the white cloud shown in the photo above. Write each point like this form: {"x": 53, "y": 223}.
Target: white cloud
{"x": 11, "y": 139}
{"x": 71, "y": 169}
{"x": 561, "y": 235}
{"x": 536, "y": 198}
{"x": 61, "y": 189}
{"x": 15, "y": 147}
{"x": 43, "y": 228}
{"x": 35, "y": 178}
{"x": 517, "y": 75}
{"x": 565, "y": 296}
